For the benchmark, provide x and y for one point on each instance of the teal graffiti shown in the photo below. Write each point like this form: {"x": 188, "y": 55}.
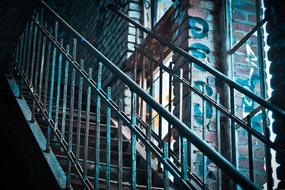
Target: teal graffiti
{"x": 198, "y": 27}
{"x": 208, "y": 107}
{"x": 199, "y": 50}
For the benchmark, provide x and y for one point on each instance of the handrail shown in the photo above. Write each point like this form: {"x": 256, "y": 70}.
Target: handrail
{"x": 213, "y": 71}
{"x": 183, "y": 129}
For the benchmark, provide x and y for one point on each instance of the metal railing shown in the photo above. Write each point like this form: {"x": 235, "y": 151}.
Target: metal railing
{"x": 260, "y": 137}
{"x": 46, "y": 65}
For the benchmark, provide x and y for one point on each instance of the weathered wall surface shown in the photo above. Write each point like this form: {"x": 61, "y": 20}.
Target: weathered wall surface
{"x": 246, "y": 71}
{"x": 275, "y": 28}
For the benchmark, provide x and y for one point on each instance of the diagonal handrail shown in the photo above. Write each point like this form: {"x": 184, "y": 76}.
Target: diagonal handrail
{"x": 211, "y": 70}
{"x": 217, "y": 158}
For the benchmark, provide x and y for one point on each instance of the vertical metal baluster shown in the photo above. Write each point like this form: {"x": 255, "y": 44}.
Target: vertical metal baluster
{"x": 58, "y": 86}
{"x": 108, "y": 139}
{"x": 97, "y": 139}
{"x": 250, "y": 152}
{"x": 16, "y": 61}
{"x": 218, "y": 142}
{"x": 165, "y": 171}
{"x": 71, "y": 114}
{"x": 32, "y": 68}
{"x": 17, "y": 52}
{"x": 133, "y": 142}
{"x": 268, "y": 160}
{"x": 149, "y": 129}
{"x": 24, "y": 60}
{"x": 204, "y": 136}
{"x": 79, "y": 108}
{"x": 170, "y": 105}
{"x": 52, "y": 87}
{"x": 47, "y": 73}
{"x": 149, "y": 154}
{"x": 183, "y": 139}
{"x": 160, "y": 96}
{"x": 88, "y": 102}
{"x": 21, "y": 50}
{"x": 34, "y": 52}
{"x": 42, "y": 65}
{"x": 21, "y": 62}
{"x": 38, "y": 57}
{"x": 136, "y": 55}
{"x": 143, "y": 85}
{"x": 233, "y": 132}
{"x": 66, "y": 69}
{"x": 120, "y": 149}
{"x": 191, "y": 112}
{"x": 29, "y": 50}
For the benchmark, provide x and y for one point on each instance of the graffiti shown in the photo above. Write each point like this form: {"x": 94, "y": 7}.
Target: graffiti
{"x": 251, "y": 84}
{"x": 199, "y": 29}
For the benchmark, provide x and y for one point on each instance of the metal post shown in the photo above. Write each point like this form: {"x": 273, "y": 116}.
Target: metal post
{"x": 165, "y": 171}
{"x": 218, "y": 138}
{"x": 33, "y": 53}
{"x": 108, "y": 140}
{"x": 233, "y": 132}
{"x": 52, "y": 88}
{"x": 79, "y": 109}
{"x": 38, "y": 57}
{"x": 58, "y": 86}
{"x": 42, "y": 67}
{"x": 120, "y": 148}
{"x": 250, "y": 153}
{"x": 47, "y": 74}
{"x": 97, "y": 131}
{"x": 65, "y": 86}
{"x": 86, "y": 146}
{"x": 133, "y": 143}
{"x": 30, "y": 38}
{"x": 204, "y": 137}
{"x": 71, "y": 113}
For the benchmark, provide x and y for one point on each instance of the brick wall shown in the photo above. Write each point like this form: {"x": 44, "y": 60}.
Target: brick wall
{"x": 203, "y": 43}
{"x": 246, "y": 72}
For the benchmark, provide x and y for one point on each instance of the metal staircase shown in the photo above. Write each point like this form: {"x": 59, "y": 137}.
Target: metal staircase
{"x": 99, "y": 144}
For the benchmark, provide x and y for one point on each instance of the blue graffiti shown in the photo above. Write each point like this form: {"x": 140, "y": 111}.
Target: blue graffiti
{"x": 198, "y": 27}
{"x": 199, "y": 50}
{"x": 208, "y": 107}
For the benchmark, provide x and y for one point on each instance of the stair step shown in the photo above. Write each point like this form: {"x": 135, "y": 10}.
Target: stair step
{"x": 113, "y": 184}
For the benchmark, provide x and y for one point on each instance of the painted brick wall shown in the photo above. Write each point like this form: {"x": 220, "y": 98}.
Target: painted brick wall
{"x": 204, "y": 43}
{"x": 246, "y": 71}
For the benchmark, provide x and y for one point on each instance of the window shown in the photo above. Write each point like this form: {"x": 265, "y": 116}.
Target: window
{"x": 154, "y": 10}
